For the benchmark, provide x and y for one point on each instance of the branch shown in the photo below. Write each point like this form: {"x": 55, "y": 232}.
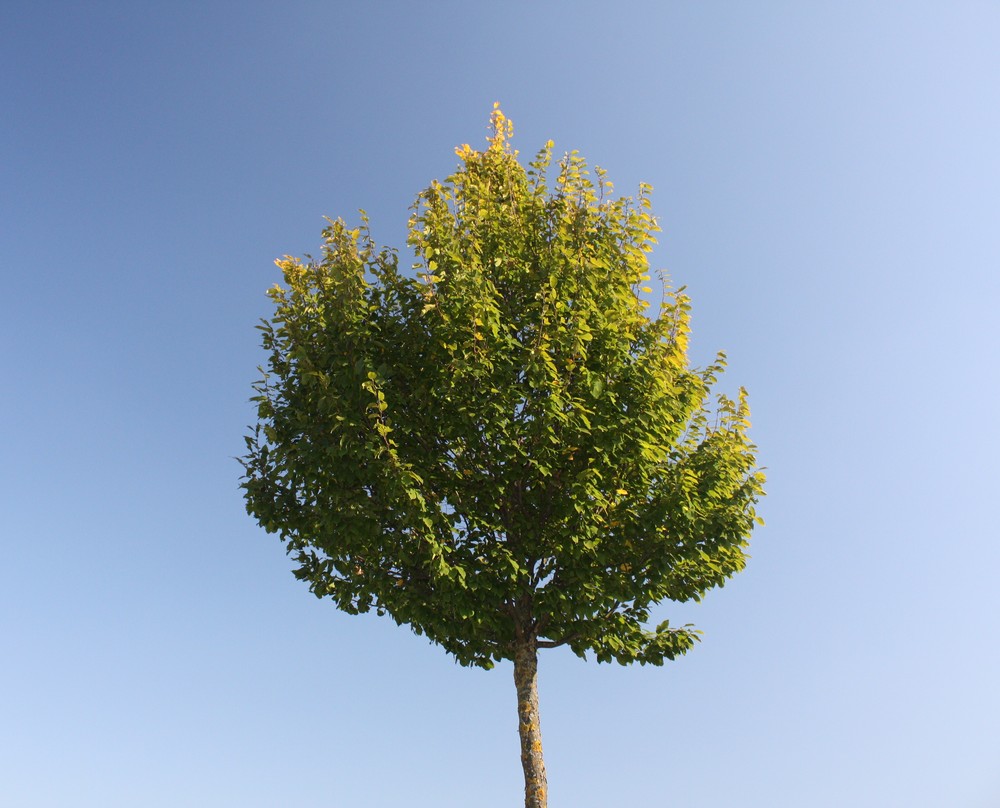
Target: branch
{"x": 573, "y": 635}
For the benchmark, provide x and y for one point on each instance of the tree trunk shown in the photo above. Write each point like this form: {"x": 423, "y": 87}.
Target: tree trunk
{"x": 526, "y": 681}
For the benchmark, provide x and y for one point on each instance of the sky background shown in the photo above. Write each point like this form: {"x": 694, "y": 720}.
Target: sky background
{"x": 827, "y": 180}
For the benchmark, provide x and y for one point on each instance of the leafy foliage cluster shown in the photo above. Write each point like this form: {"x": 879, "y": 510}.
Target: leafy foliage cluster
{"x": 502, "y": 446}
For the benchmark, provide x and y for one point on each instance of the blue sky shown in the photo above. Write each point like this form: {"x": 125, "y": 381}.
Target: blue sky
{"x": 827, "y": 180}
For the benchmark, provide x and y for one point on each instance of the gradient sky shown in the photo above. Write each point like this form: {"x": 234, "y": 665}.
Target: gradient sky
{"x": 827, "y": 177}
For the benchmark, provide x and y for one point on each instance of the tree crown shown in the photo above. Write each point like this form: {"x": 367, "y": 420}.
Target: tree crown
{"x": 501, "y": 446}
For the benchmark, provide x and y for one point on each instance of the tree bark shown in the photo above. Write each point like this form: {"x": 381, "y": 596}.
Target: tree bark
{"x": 526, "y": 681}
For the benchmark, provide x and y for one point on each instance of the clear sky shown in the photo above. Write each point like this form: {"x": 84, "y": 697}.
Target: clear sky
{"x": 828, "y": 181}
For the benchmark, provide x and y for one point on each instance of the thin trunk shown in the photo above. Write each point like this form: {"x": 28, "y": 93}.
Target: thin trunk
{"x": 526, "y": 681}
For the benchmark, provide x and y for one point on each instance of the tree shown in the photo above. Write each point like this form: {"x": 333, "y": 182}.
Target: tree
{"x": 503, "y": 452}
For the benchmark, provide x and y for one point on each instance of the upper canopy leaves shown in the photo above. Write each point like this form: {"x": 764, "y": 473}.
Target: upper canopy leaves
{"x": 505, "y": 448}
